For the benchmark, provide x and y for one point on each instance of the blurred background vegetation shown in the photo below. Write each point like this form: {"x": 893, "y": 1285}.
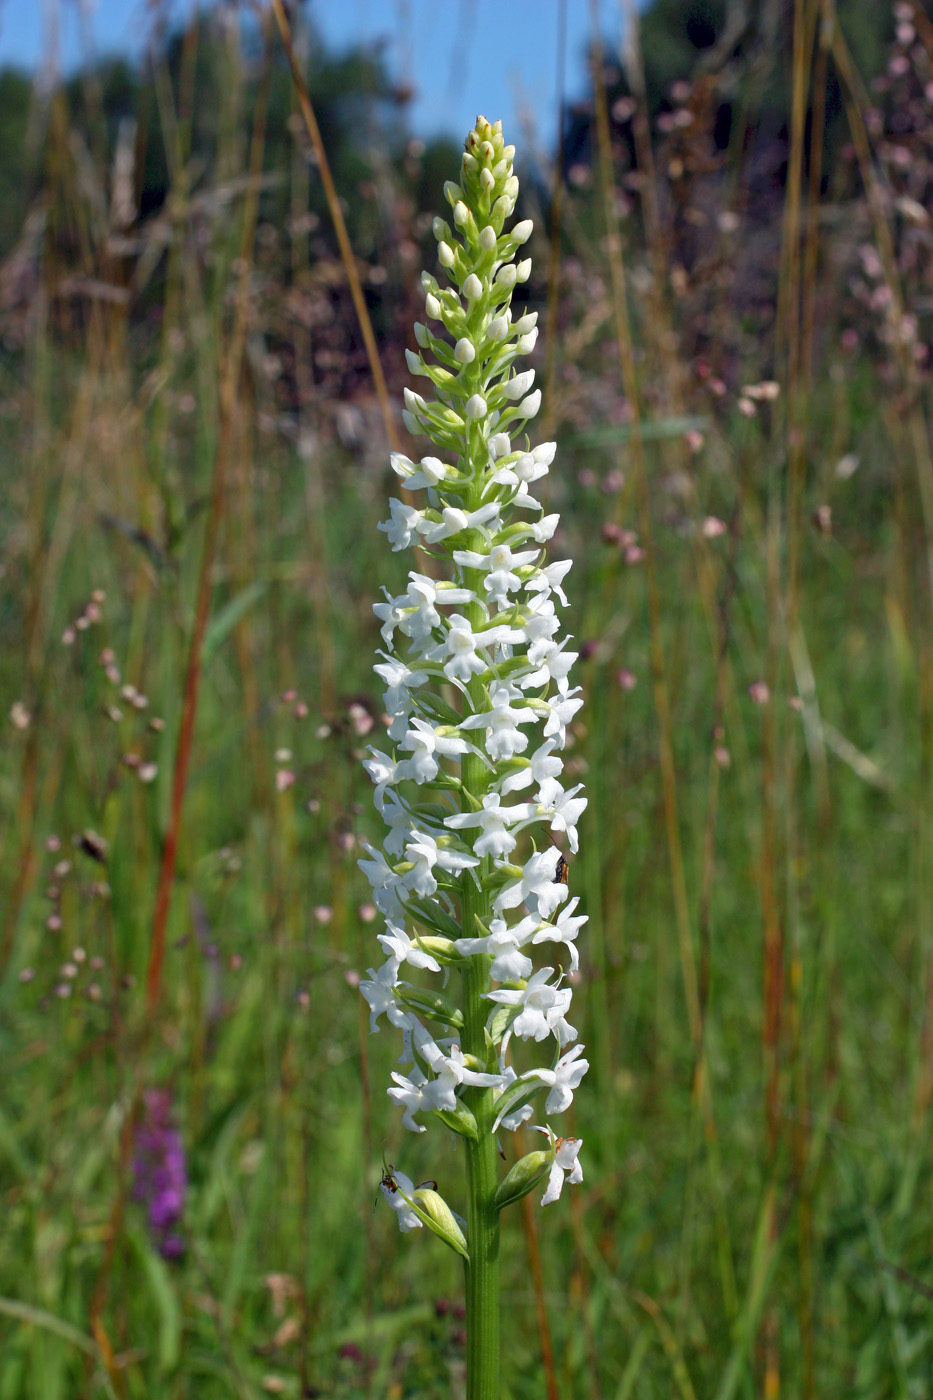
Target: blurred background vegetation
{"x": 733, "y": 256}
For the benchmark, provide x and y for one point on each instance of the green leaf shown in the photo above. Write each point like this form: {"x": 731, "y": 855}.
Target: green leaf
{"x": 516, "y": 1096}
{"x": 622, "y": 432}
{"x": 166, "y": 1312}
{"x": 432, "y": 916}
{"x": 223, "y": 624}
{"x": 460, "y": 1120}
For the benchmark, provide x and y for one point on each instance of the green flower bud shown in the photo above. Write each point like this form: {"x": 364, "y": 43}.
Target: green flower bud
{"x": 433, "y": 916}
{"x": 425, "y": 1002}
{"x": 431, "y": 1207}
{"x": 527, "y": 1172}
{"x": 459, "y": 1120}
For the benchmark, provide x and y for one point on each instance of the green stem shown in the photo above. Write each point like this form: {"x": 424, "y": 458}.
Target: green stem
{"x": 482, "y": 1271}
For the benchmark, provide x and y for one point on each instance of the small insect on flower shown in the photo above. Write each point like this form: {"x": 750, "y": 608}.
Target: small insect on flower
{"x": 562, "y": 873}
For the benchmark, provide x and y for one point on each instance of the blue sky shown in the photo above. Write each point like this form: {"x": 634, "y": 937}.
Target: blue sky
{"x": 440, "y": 46}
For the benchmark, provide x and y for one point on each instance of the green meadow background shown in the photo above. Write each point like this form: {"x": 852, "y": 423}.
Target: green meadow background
{"x": 733, "y": 251}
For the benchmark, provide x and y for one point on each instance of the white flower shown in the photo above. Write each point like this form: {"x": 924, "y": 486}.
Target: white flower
{"x": 421, "y": 852}
{"x": 549, "y": 579}
{"x": 510, "y": 964}
{"x": 379, "y": 992}
{"x": 386, "y": 884}
{"x": 504, "y": 739}
{"x": 383, "y": 772}
{"x": 561, "y": 709}
{"x": 564, "y": 1079}
{"x": 564, "y": 808}
{"x": 563, "y": 929}
{"x": 537, "y": 886}
{"x": 543, "y": 1008}
{"x": 450, "y": 1072}
{"x": 401, "y": 681}
{"x": 542, "y": 765}
{"x": 565, "y": 1163}
{"x": 395, "y": 1187}
{"x": 424, "y": 741}
{"x": 454, "y": 521}
{"x": 493, "y": 819}
{"x": 404, "y": 522}
{"x": 396, "y": 944}
{"x": 499, "y": 565}
{"x": 431, "y": 472}
{"x": 529, "y": 467}
{"x": 459, "y": 652}
{"x": 409, "y": 1091}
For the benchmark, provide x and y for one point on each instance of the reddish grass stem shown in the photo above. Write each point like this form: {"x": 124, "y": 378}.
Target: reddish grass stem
{"x": 228, "y": 407}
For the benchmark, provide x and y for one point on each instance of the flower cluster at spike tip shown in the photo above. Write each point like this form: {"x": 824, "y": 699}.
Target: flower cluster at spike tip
{"x": 477, "y": 681}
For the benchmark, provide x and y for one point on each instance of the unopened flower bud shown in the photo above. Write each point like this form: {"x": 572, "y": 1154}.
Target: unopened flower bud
{"x": 526, "y": 1174}
{"x": 452, "y": 193}
{"x": 472, "y": 287}
{"x": 522, "y": 231}
{"x": 464, "y": 353}
{"x": 487, "y": 239}
{"x": 498, "y": 328}
{"x": 476, "y": 406}
{"x": 523, "y": 270}
{"x": 441, "y": 1219}
{"x": 445, "y": 255}
{"x": 432, "y": 307}
{"x": 519, "y": 384}
{"x": 505, "y": 277}
{"x": 421, "y": 335}
{"x": 529, "y": 407}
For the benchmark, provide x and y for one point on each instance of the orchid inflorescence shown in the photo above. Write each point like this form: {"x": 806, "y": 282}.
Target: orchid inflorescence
{"x": 479, "y": 700}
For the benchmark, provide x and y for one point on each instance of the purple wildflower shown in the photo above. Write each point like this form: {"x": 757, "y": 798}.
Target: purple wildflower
{"x": 159, "y": 1172}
